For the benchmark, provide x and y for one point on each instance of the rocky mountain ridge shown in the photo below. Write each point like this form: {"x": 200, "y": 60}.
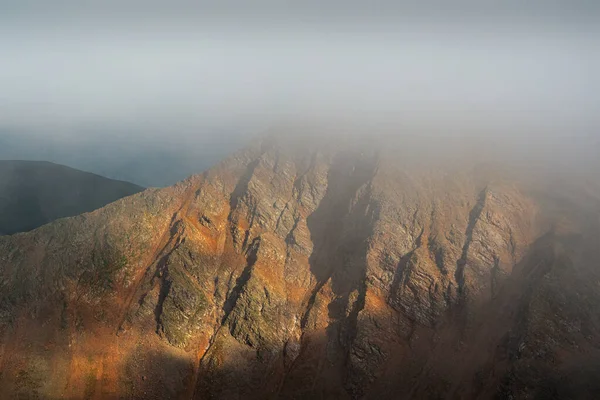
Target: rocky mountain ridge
{"x": 329, "y": 270}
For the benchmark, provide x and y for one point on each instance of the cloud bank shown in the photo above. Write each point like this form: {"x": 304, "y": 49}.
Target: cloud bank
{"x": 147, "y": 68}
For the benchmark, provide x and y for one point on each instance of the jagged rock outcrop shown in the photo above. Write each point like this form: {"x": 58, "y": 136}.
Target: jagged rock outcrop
{"x": 329, "y": 270}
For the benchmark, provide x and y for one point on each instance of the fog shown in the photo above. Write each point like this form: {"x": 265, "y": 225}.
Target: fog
{"x": 150, "y": 73}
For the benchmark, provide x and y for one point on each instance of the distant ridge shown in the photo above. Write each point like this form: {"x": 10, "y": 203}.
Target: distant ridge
{"x": 33, "y": 193}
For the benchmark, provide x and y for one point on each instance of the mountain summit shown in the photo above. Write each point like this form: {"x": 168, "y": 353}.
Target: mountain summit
{"x": 340, "y": 269}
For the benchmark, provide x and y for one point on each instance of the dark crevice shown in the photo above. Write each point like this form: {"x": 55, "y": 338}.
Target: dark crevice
{"x": 251, "y": 256}
{"x": 448, "y": 294}
{"x": 242, "y": 186}
{"x": 310, "y": 304}
{"x": 474, "y": 216}
{"x": 513, "y": 247}
{"x": 165, "y": 288}
{"x": 250, "y": 225}
{"x": 289, "y": 239}
{"x": 238, "y": 193}
{"x": 345, "y": 178}
{"x": 438, "y": 257}
{"x": 494, "y": 276}
{"x": 400, "y": 277}
{"x": 403, "y": 272}
{"x": 176, "y": 237}
{"x": 207, "y": 222}
{"x": 359, "y": 305}
{"x": 162, "y": 272}
{"x": 339, "y": 229}
{"x": 285, "y": 208}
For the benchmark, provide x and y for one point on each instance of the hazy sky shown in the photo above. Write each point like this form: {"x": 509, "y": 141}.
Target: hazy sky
{"x": 187, "y": 68}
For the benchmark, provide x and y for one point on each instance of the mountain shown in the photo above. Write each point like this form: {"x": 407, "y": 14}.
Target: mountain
{"x": 316, "y": 268}
{"x": 34, "y": 193}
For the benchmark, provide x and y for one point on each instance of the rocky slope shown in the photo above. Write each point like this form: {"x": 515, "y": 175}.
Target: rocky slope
{"x": 33, "y": 193}
{"x": 332, "y": 270}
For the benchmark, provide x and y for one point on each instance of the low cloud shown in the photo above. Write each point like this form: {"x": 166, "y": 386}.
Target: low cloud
{"x": 188, "y": 69}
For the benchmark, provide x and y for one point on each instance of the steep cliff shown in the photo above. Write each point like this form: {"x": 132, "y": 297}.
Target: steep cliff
{"x": 329, "y": 270}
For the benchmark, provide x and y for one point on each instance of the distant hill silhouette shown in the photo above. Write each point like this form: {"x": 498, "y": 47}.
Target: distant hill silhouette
{"x": 145, "y": 163}
{"x": 33, "y": 193}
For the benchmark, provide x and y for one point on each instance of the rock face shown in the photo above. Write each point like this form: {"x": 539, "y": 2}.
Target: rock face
{"x": 34, "y": 193}
{"x": 337, "y": 270}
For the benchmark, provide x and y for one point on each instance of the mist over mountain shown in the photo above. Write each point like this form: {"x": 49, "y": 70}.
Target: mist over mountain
{"x": 148, "y": 69}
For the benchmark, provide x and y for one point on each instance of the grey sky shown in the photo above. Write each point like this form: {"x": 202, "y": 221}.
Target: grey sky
{"x": 150, "y": 67}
